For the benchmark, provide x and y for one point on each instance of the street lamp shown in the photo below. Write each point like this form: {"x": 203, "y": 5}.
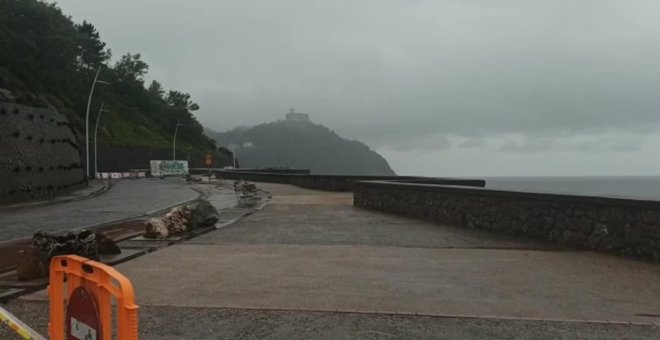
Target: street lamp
{"x": 96, "y": 130}
{"x": 233, "y": 148}
{"x": 89, "y": 103}
{"x": 233, "y": 152}
{"x": 178, "y": 123}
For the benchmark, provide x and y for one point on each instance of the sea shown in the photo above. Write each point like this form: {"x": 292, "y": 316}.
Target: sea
{"x": 636, "y": 187}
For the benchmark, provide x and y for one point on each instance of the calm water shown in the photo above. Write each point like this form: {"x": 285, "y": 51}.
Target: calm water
{"x": 642, "y": 187}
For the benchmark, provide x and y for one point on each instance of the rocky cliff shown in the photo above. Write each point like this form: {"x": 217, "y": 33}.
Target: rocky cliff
{"x": 302, "y": 144}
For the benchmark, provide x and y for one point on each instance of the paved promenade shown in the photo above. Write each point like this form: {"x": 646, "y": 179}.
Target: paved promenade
{"x": 311, "y": 266}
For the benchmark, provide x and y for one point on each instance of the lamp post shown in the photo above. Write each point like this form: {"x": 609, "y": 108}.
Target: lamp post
{"x": 89, "y": 103}
{"x": 233, "y": 152}
{"x": 233, "y": 148}
{"x": 178, "y": 123}
{"x": 96, "y": 130}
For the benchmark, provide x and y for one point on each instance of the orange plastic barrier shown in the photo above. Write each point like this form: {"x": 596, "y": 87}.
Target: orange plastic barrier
{"x": 70, "y": 275}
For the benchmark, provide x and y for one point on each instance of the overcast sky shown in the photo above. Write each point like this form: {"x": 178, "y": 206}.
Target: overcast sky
{"x": 453, "y": 87}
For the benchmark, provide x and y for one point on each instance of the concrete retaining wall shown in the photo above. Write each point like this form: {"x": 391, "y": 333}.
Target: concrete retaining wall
{"x": 121, "y": 159}
{"x": 624, "y": 226}
{"x": 276, "y": 171}
{"x": 333, "y": 182}
{"x": 253, "y": 176}
{"x": 39, "y": 154}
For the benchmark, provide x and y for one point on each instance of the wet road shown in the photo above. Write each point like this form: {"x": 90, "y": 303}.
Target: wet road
{"x": 126, "y": 199}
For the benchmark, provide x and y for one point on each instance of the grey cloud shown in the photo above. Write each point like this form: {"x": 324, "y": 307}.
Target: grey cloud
{"x": 399, "y": 73}
{"x": 471, "y": 143}
{"x": 600, "y": 144}
{"x": 608, "y": 145}
{"x": 529, "y": 145}
{"x": 423, "y": 142}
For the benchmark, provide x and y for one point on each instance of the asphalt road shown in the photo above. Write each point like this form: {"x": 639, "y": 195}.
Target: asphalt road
{"x": 126, "y": 199}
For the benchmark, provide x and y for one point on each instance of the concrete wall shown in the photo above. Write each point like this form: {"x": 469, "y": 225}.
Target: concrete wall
{"x": 122, "y": 159}
{"x": 333, "y": 182}
{"x": 212, "y": 170}
{"x": 276, "y": 170}
{"x": 624, "y": 226}
{"x": 39, "y": 154}
{"x": 253, "y": 176}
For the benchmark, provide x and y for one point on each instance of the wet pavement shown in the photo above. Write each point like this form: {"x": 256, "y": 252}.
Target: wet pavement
{"x": 311, "y": 251}
{"x": 185, "y": 323}
{"x": 310, "y": 265}
{"x": 299, "y": 253}
{"x": 125, "y": 199}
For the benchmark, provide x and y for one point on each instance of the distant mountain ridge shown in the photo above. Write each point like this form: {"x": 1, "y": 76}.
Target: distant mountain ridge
{"x": 298, "y": 142}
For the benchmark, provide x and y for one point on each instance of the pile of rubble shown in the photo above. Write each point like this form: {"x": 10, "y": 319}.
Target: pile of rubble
{"x": 247, "y": 194}
{"x": 33, "y": 262}
{"x": 245, "y": 189}
{"x": 182, "y": 219}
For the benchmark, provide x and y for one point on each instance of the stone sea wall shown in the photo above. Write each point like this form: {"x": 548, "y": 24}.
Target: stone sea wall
{"x": 289, "y": 171}
{"x": 332, "y": 182}
{"x": 39, "y": 154}
{"x": 623, "y": 226}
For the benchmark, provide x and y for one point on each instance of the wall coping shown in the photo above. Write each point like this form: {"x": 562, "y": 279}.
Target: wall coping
{"x": 353, "y": 177}
{"x": 350, "y": 177}
{"x": 537, "y": 196}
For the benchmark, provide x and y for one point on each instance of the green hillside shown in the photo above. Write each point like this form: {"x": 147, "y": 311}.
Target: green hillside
{"x": 48, "y": 60}
{"x": 302, "y": 145}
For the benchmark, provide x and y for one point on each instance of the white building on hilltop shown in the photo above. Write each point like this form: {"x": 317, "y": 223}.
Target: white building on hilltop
{"x": 293, "y": 116}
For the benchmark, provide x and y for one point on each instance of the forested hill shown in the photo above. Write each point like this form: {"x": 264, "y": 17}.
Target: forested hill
{"x": 48, "y": 60}
{"x": 302, "y": 145}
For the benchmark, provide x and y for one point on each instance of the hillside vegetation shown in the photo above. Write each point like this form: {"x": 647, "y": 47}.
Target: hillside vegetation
{"x": 48, "y": 60}
{"x": 302, "y": 145}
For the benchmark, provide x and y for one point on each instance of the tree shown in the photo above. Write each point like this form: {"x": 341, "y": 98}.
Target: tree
{"x": 181, "y": 100}
{"x": 91, "y": 49}
{"x": 156, "y": 90}
{"x": 47, "y": 59}
{"x": 38, "y": 44}
{"x": 131, "y": 69}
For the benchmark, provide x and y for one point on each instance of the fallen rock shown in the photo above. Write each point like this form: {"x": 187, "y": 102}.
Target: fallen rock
{"x": 34, "y": 261}
{"x": 201, "y": 214}
{"x": 247, "y": 194}
{"x": 32, "y": 264}
{"x": 182, "y": 219}
{"x": 176, "y": 221}
{"x": 245, "y": 188}
{"x": 156, "y": 228}
{"x": 106, "y": 245}
{"x": 81, "y": 242}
